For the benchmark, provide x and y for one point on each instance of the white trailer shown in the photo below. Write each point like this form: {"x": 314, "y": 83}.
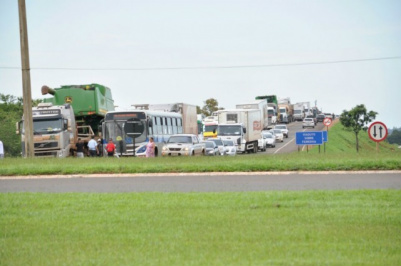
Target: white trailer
{"x": 299, "y": 111}
{"x": 243, "y": 126}
{"x": 260, "y": 105}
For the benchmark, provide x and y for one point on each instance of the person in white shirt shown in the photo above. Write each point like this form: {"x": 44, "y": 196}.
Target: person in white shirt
{"x": 92, "y": 147}
{"x": 1, "y": 150}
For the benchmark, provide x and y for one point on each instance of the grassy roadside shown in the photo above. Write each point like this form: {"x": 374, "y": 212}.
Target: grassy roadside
{"x": 262, "y": 228}
{"x": 340, "y": 155}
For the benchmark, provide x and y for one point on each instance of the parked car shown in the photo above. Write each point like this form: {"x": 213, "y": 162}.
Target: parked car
{"x": 320, "y": 118}
{"x": 279, "y": 135}
{"x": 270, "y": 139}
{"x": 211, "y": 148}
{"x": 308, "y": 122}
{"x": 283, "y": 129}
{"x": 219, "y": 144}
{"x": 230, "y": 147}
{"x": 183, "y": 144}
{"x": 262, "y": 143}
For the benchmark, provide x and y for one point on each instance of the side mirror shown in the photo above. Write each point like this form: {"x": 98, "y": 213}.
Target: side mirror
{"x": 244, "y": 130}
{"x": 67, "y": 124}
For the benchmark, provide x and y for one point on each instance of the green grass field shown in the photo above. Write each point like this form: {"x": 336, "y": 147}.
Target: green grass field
{"x": 360, "y": 227}
{"x": 258, "y": 228}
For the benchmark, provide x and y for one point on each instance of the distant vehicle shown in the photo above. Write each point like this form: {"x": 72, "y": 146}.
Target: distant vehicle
{"x": 308, "y": 122}
{"x": 183, "y": 144}
{"x": 230, "y": 147}
{"x": 269, "y": 138}
{"x": 220, "y": 145}
{"x": 320, "y": 118}
{"x": 313, "y": 117}
{"x": 279, "y": 134}
{"x": 241, "y": 125}
{"x": 211, "y": 148}
{"x": 283, "y": 129}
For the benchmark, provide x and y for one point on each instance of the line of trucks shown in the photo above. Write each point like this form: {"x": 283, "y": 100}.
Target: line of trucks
{"x": 77, "y": 111}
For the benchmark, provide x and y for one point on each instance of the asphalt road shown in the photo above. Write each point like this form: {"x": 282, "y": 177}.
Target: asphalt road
{"x": 216, "y": 182}
{"x": 288, "y": 145}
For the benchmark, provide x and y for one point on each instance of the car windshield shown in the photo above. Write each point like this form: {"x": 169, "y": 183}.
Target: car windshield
{"x": 277, "y": 131}
{"x": 280, "y": 127}
{"x": 308, "y": 119}
{"x": 267, "y": 135}
{"x": 228, "y": 143}
{"x": 217, "y": 141}
{"x": 180, "y": 139}
{"x": 209, "y": 144}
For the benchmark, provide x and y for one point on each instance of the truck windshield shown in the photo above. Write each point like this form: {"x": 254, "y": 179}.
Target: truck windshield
{"x": 50, "y": 126}
{"x": 229, "y": 131}
{"x": 270, "y": 112}
{"x": 210, "y": 128}
{"x": 282, "y": 110}
{"x": 180, "y": 139}
{"x": 297, "y": 111}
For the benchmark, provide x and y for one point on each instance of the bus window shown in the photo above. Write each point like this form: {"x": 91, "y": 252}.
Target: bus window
{"x": 169, "y": 127}
{"x": 179, "y": 125}
{"x": 174, "y": 124}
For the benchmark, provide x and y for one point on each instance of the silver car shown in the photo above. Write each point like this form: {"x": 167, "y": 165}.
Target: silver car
{"x": 279, "y": 134}
{"x": 219, "y": 144}
{"x": 211, "y": 148}
{"x": 269, "y": 138}
{"x": 230, "y": 147}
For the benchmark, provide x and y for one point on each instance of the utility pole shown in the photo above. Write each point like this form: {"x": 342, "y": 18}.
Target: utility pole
{"x": 26, "y": 81}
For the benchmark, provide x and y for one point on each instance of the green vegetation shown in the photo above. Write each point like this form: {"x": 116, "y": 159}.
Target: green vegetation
{"x": 262, "y": 228}
{"x": 340, "y": 155}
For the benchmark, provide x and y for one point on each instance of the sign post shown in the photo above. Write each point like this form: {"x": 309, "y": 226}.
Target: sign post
{"x": 377, "y": 132}
{"x": 327, "y": 123}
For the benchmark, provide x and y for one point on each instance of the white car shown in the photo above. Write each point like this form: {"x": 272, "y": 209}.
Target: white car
{"x": 308, "y": 122}
{"x": 279, "y": 135}
{"x": 231, "y": 148}
{"x": 183, "y": 144}
{"x": 269, "y": 138}
{"x": 283, "y": 129}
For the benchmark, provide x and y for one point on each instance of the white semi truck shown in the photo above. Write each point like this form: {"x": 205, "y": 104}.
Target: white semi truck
{"x": 54, "y": 130}
{"x": 243, "y": 126}
{"x": 260, "y": 105}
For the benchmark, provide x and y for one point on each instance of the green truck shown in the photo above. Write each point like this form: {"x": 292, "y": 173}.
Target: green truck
{"x": 90, "y": 103}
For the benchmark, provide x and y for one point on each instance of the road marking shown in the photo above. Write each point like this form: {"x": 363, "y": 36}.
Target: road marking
{"x": 285, "y": 145}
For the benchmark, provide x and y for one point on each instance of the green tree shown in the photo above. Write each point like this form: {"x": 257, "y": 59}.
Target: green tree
{"x": 11, "y": 111}
{"x": 356, "y": 120}
{"x": 395, "y": 137}
{"x": 211, "y": 105}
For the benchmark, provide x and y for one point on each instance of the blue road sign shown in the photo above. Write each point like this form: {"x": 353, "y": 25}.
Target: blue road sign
{"x": 325, "y": 136}
{"x": 309, "y": 138}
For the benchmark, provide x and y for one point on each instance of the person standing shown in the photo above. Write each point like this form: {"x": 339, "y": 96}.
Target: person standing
{"x": 1, "y": 150}
{"x": 150, "y": 148}
{"x": 110, "y": 148}
{"x": 80, "y": 148}
{"x": 92, "y": 147}
{"x": 100, "y": 147}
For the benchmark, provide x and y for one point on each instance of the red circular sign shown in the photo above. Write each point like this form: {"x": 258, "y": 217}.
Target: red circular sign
{"x": 377, "y": 131}
{"x": 327, "y": 121}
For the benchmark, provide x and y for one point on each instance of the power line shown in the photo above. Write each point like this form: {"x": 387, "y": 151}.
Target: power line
{"x": 212, "y": 67}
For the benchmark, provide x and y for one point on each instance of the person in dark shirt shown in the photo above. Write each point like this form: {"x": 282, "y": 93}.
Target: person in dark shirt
{"x": 80, "y": 148}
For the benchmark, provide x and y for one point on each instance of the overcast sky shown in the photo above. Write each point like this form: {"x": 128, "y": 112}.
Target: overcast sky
{"x": 189, "y": 51}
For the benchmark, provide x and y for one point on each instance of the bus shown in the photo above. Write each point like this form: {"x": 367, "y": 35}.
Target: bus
{"x": 131, "y": 130}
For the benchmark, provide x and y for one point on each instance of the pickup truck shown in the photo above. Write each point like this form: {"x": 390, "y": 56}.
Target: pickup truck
{"x": 183, "y": 144}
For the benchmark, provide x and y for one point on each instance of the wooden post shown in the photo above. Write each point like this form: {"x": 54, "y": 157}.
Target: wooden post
{"x": 26, "y": 81}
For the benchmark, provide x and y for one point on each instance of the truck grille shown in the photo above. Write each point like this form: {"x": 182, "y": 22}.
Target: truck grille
{"x": 46, "y": 145}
